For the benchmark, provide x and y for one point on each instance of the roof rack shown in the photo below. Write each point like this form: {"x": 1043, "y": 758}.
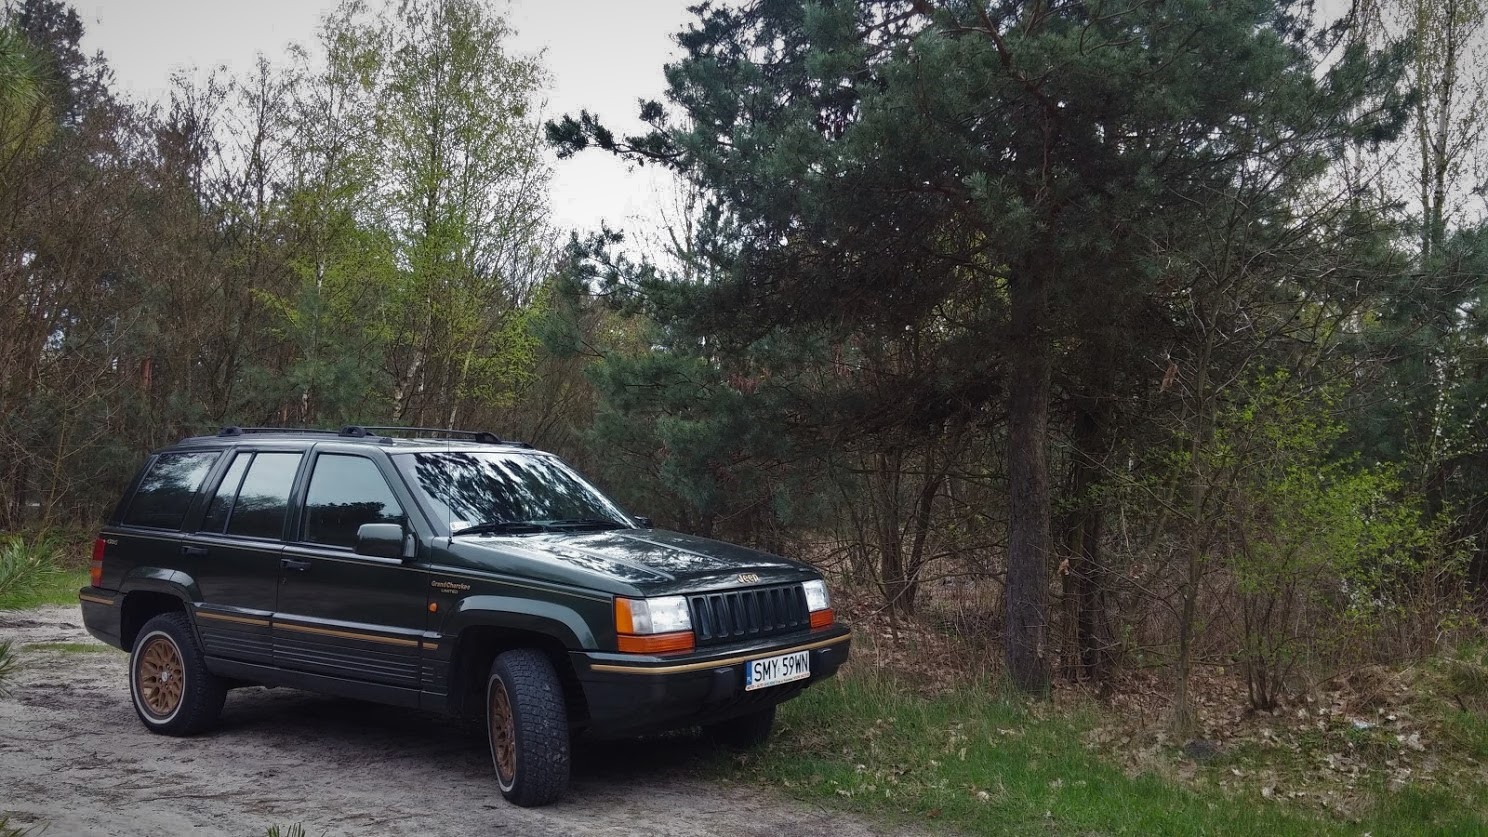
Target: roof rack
{"x": 479, "y": 436}
{"x": 363, "y": 431}
{"x": 234, "y": 430}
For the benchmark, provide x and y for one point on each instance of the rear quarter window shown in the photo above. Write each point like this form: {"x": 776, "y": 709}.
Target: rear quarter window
{"x": 166, "y": 491}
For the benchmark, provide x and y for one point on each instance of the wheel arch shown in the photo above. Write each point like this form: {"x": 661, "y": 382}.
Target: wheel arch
{"x": 149, "y": 592}
{"x": 482, "y": 631}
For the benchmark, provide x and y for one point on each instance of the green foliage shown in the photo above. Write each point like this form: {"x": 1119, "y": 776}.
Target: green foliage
{"x": 24, "y": 123}
{"x": 1300, "y": 511}
{"x": 26, "y": 567}
{"x": 30, "y": 577}
{"x": 1322, "y": 548}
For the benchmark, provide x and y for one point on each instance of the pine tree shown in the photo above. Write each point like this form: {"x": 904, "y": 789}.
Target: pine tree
{"x": 885, "y": 160}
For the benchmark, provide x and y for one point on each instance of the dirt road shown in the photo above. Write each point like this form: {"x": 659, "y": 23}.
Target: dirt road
{"x": 73, "y": 756}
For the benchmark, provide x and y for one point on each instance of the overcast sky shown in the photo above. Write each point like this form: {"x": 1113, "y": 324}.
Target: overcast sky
{"x": 602, "y": 54}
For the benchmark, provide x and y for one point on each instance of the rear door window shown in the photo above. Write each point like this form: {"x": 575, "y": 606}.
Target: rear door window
{"x": 227, "y": 491}
{"x": 166, "y": 492}
{"x": 263, "y": 499}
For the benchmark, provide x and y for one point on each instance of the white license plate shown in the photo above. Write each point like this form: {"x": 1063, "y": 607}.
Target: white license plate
{"x": 772, "y": 671}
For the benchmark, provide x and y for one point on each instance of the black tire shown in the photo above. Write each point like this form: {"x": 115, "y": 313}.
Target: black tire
{"x": 744, "y": 732}
{"x": 529, "y": 737}
{"x": 172, "y": 691}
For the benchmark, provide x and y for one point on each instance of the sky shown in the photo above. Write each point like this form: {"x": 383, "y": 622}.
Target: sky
{"x": 602, "y": 55}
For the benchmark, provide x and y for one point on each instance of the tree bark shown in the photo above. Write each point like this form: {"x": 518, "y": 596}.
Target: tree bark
{"x": 1087, "y": 624}
{"x": 1027, "y": 590}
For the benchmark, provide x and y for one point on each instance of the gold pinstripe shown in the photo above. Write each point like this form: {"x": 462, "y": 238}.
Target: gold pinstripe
{"x": 389, "y": 640}
{"x": 246, "y": 620}
{"x": 727, "y": 661}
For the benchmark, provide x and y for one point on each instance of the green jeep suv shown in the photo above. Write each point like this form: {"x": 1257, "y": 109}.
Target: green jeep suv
{"x": 444, "y": 571}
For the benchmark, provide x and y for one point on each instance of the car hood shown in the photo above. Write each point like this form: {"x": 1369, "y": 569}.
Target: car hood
{"x": 648, "y": 561}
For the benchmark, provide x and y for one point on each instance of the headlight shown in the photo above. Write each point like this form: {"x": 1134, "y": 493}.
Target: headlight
{"x": 817, "y": 597}
{"x": 819, "y": 602}
{"x": 653, "y": 626}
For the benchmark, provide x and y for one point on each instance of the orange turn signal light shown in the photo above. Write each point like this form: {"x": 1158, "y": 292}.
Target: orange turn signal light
{"x": 822, "y": 618}
{"x": 656, "y": 643}
{"x": 624, "y": 622}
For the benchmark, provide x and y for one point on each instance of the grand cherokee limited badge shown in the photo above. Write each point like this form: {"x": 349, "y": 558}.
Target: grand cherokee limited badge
{"x": 748, "y": 578}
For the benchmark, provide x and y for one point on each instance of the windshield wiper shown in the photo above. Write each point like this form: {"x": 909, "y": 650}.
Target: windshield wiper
{"x": 505, "y": 527}
{"x": 586, "y": 523}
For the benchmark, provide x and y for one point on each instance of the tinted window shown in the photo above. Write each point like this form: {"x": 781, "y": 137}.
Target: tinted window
{"x": 166, "y": 491}
{"x": 226, "y": 491}
{"x": 264, "y": 498}
{"x": 344, "y": 493}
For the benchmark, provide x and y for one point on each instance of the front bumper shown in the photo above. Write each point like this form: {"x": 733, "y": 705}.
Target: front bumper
{"x": 633, "y": 694}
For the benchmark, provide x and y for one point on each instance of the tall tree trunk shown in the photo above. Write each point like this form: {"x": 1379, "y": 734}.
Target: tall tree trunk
{"x": 1185, "y": 719}
{"x": 1028, "y": 485}
{"x": 893, "y": 580}
{"x": 1088, "y": 653}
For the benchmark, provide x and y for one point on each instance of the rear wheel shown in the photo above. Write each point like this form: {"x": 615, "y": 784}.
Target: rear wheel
{"x": 173, "y": 692}
{"x": 527, "y": 724}
{"x": 743, "y": 732}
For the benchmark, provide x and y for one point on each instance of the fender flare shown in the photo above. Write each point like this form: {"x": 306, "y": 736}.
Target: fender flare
{"x": 160, "y": 580}
{"x": 173, "y": 583}
{"x": 564, "y": 625}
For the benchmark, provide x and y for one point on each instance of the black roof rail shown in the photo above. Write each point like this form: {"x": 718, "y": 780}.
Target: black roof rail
{"x": 363, "y": 431}
{"x": 480, "y": 436}
{"x": 234, "y": 430}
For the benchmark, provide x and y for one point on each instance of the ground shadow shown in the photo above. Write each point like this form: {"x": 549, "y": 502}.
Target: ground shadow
{"x": 378, "y": 732}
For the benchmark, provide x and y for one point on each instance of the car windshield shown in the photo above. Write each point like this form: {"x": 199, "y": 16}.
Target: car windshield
{"x": 491, "y": 492}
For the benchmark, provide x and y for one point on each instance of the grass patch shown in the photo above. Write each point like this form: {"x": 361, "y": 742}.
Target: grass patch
{"x": 68, "y": 647}
{"x": 973, "y": 761}
{"x": 32, "y": 574}
{"x": 50, "y": 586}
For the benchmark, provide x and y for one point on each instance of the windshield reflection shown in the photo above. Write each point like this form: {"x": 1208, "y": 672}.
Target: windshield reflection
{"x": 486, "y": 489}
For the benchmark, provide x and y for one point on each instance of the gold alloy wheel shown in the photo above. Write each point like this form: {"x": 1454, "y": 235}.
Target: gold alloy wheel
{"x": 161, "y": 676}
{"x": 503, "y": 733}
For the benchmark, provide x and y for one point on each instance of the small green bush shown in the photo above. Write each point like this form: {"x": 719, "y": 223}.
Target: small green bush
{"x": 24, "y": 566}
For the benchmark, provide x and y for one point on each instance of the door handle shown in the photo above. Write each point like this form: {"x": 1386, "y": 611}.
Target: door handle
{"x": 294, "y": 564}
{"x": 194, "y": 551}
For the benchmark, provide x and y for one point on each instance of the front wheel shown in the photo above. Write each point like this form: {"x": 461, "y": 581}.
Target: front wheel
{"x": 173, "y": 692}
{"x": 745, "y": 731}
{"x": 528, "y": 727}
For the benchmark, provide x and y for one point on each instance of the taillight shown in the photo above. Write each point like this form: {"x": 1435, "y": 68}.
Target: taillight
{"x": 95, "y": 569}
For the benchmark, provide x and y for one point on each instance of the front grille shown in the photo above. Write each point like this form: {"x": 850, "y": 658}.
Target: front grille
{"x": 748, "y": 614}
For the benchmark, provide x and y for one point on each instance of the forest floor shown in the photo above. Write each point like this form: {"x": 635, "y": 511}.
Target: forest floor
{"x": 913, "y": 737}
{"x": 918, "y": 730}
{"x": 73, "y": 758}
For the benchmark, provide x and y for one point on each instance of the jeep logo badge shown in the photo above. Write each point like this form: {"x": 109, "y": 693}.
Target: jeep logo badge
{"x": 748, "y": 578}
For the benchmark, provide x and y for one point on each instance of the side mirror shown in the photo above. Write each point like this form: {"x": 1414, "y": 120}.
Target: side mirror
{"x": 380, "y": 540}
{"x": 644, "y": 521}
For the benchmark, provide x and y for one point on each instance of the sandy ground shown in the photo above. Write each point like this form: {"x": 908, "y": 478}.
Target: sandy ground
{"x": 74, "y": 757}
